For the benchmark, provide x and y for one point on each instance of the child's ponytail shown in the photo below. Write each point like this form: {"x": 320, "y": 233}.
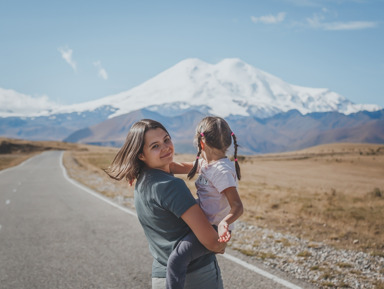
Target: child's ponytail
{"x": 235, "y": 156}
{"x": 192, "y": 172}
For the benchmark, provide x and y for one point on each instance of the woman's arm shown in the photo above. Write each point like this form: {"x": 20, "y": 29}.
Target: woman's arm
{"x": 180, "y": 168}
{"x": 198, "y": 222}
{"x": 235, "y": 212}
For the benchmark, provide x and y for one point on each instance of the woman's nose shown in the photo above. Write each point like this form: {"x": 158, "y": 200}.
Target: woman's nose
{"x": 164, "y": 146}
{"x": 167, "y": 146}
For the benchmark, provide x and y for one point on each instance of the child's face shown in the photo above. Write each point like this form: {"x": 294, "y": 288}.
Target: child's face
{"x": 158, "y": 150}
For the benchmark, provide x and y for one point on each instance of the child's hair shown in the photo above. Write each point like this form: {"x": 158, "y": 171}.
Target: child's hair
{"x": 126, "y": 163}
{"x": 218, "y": 135}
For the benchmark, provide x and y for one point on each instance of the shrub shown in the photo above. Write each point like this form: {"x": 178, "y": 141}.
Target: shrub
{"x": 377, "y": 193}
{"x": 304, "y": 254}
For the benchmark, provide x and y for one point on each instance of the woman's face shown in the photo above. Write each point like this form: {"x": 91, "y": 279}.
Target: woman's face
{"x": 158, "y": 149}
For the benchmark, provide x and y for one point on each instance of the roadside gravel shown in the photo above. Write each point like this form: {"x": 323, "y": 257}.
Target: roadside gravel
{"x": 320, "y": 264}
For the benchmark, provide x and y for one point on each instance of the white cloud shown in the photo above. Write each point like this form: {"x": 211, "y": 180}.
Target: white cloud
{"x": 352, "y": 25}
{"x": 13, "y": 103}
{"x": 318, "y": 21}
{"x": 101, "y": 71}
{"x": 66, "y": 54}
{"x": 269, "y": 19}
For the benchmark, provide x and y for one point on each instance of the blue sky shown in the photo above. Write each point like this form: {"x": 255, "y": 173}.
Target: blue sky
{"x": 76, "y": 51}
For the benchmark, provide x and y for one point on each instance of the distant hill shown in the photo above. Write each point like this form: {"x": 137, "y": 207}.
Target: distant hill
{"x": 282, "y": 132}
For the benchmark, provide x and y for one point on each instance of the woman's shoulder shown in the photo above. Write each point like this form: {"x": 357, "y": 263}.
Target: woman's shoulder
{"x": 168, "y": 191}
{"x": 161, "y": 178}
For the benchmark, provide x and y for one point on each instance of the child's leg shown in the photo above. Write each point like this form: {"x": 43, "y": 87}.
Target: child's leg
{"x": 187, "y": 250}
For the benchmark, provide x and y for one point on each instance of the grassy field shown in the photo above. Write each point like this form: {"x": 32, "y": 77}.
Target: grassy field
{"x": 331, "y": 193}
{"x": 14, "y": 152}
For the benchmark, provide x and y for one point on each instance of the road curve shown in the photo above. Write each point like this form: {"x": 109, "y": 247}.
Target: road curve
{"x": 55, "y": 233}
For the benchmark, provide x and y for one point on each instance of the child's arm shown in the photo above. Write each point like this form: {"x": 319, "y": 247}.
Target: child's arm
{"x": 235, "y": 212}
{"x": 180, "y": 168}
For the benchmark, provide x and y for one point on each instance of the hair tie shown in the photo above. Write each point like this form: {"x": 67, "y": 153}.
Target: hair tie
{"x": 202, "y": 134}
{"x": 197, "y": 157}
{"x": 232, "y": 133}
{"x": 235, "y": 160}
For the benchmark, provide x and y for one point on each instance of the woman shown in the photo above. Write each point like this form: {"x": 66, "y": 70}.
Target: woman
{"x": 165, "y": 207}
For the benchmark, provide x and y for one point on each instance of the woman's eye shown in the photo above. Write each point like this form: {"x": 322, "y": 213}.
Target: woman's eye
{"x": 155, "y": 146}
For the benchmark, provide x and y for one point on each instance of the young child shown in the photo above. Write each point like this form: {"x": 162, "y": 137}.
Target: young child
{"x": 216, "y": 190}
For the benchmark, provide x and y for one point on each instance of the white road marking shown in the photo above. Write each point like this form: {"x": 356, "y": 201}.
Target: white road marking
{"x": 260, "y": 271}
{"x": 227, "y": 256}
{"x": 93, "y": 193}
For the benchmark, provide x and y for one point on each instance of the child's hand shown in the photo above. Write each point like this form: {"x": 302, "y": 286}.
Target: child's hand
{"x": 225, "y": 238}
{"x": 224, "y": 234}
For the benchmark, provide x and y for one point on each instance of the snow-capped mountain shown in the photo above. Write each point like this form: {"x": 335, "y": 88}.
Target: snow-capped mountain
{"x": 230, "y": 87}
{"x": 268, "y": 114}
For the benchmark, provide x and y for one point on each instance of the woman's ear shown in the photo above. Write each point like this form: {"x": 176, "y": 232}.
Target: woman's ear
{"x": 141, "y": 157}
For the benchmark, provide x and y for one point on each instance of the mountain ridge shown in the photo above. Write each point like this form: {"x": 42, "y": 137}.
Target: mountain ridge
{"x": 230, "y": 87}
{"x": 280, "y": 133}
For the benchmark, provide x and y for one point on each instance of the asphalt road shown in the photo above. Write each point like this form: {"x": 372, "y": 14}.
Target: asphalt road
{"x": 56, "y": 234}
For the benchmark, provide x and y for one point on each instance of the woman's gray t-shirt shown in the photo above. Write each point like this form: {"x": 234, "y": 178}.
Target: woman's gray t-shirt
{"x": 160, "y": 200}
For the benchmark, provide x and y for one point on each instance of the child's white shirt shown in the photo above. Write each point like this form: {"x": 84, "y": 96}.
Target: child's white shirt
{"x": 213, "y": 179}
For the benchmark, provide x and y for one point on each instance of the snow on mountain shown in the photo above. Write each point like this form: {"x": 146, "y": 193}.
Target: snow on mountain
{"x": 230, "y": 87}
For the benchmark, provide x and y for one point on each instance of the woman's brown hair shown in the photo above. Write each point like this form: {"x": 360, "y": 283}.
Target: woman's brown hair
{"x": 126, "y": 164}
{"x": 217, "y": 134}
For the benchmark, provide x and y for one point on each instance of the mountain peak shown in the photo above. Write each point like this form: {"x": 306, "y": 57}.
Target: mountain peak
{"x": 230, "y": 87}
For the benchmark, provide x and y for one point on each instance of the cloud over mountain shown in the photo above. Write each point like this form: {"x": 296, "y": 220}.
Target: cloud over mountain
{"x": 13, "y": 103}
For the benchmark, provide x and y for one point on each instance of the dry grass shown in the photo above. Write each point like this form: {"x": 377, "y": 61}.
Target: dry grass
{"x": 11, "y": 160}
{"x": 14, "y": 151}
{"x": 331, "y": 193}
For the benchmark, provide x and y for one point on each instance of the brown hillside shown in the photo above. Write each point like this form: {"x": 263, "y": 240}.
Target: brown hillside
{"x": 332, "y": 193}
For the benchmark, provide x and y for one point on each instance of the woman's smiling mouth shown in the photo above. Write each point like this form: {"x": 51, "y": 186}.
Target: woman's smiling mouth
{"x": 166, "y": 155}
